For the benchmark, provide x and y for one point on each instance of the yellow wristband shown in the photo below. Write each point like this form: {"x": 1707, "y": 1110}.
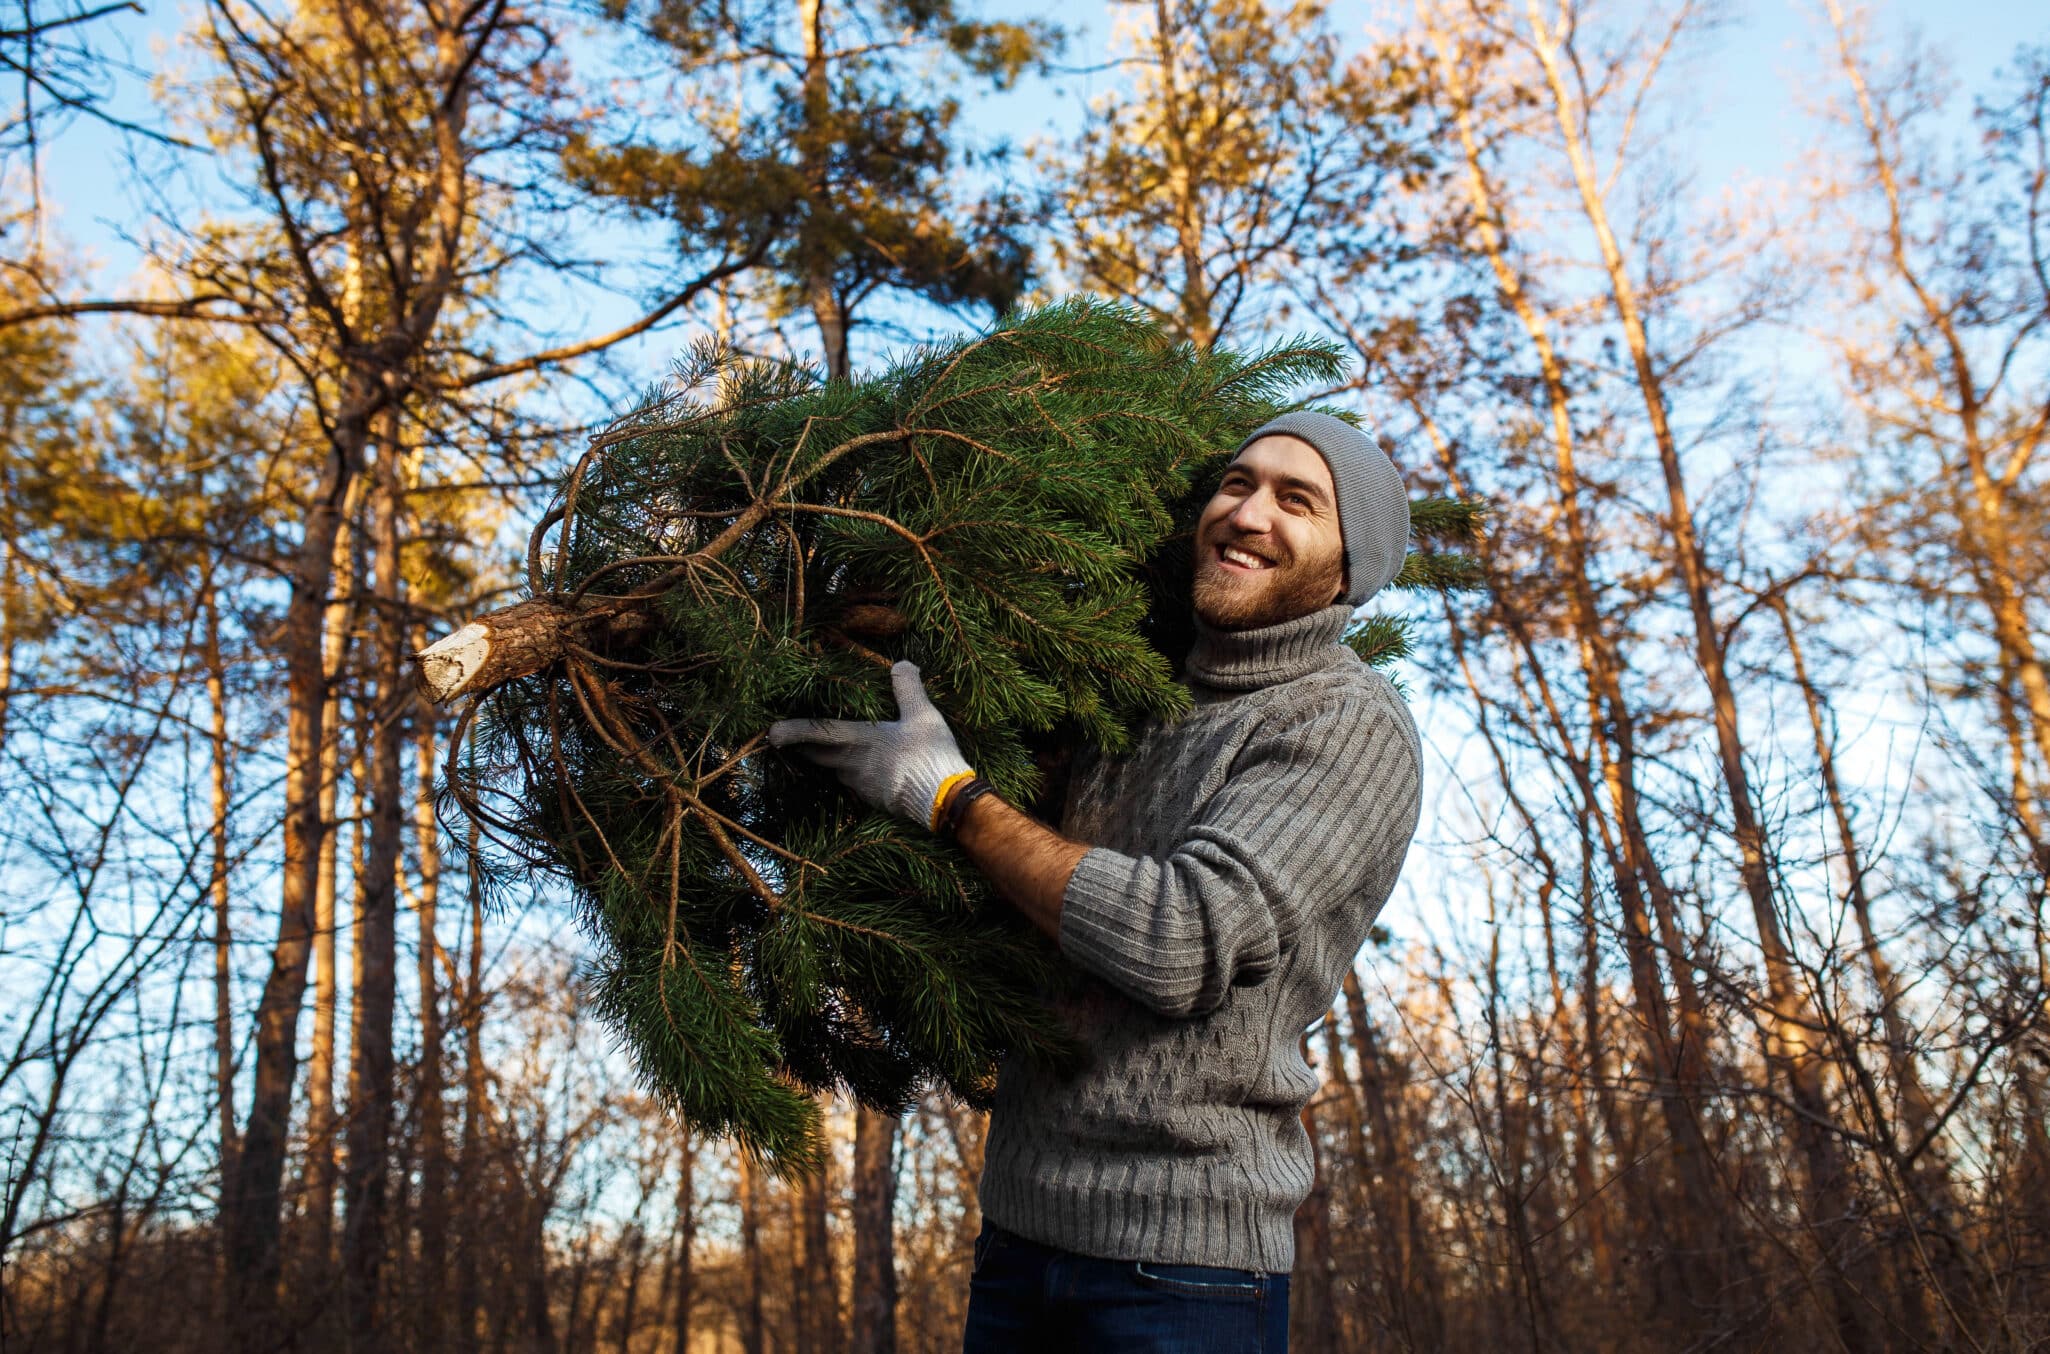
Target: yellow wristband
{"x": 939, "y": 798}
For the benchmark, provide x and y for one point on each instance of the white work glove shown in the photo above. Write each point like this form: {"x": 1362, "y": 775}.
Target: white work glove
{"x": 900, "y": 766}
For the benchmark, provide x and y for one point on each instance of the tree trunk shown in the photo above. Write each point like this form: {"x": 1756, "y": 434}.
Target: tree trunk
{"x": 1312, "y": 1316}
{"x": 323, "y": 1130}
{"x": 251, "y": 1200}
{"x": 819, "y": 1293}
{"x": 1170, "y": 37}
{"x": 815, "y": 145}
{"x": 683, "y": 1288}
{"x": 1348, "y": 1290}
{"x": 532, "y": 1272}
{"x": 1409, "y": 1267}
{"x": 10, "y": 628}
{"x": 471, "y": 1169}
{"x": 368, "y": 1131}
{"x": 875, "y": 1207}
{"x": 752, "y": 1326}
{"x": 434, "y": 1197}
{"x": 224, "y": 936}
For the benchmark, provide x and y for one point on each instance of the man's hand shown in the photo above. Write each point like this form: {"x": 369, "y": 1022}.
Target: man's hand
{"x": 898, "y": 765}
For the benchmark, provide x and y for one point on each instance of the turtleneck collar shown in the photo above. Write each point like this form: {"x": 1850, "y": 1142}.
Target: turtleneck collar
{"x": 1246, "y": 660}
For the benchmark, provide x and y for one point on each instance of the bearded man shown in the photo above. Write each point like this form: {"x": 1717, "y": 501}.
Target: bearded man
{"x": 1212, "y": 885}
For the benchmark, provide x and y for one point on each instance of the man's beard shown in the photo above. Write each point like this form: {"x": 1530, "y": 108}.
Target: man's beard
{"x": 1226, "y": 602}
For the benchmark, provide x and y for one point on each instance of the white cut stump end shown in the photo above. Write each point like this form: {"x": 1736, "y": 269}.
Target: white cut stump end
{"x": 448, "y": 664}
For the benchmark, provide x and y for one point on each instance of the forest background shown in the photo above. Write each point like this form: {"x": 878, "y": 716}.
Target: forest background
{"x": 1711, "y": 1013}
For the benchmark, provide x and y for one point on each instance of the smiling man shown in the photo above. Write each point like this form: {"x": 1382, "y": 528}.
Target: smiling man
{"x": 1213, "y": 885}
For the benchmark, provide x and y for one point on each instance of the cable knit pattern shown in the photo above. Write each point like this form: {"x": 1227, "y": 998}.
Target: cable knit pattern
{"x": 1242, "y": 853}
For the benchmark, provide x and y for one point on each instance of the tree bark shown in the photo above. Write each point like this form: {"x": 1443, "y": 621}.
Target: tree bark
{"x": 368, "y": 1131}
{"x": 1348, "y": 1290}
{"x": 251, "y": 1199}
{"x": 683, "y": 1288}
{"x": 434, "y": 1194}
{"x": 819, "y": 1293}
{"x": 1409, "y": 1266}
{"x": 875, "y": 1207}
{"x": 1312, "y": 1316}
{"x": 217, "y": 886}
{"x": 752, "y": 1325}
{"x": 472, "y": 1172}
{"x": 323, "y": 1129}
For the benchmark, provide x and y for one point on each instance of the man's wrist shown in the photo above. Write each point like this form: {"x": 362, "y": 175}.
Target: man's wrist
{"x": 955, "y": 796}
{"x": 943, "y": 795}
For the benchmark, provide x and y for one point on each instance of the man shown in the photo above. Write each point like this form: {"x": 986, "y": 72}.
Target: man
{"x": 1214, "y": 884}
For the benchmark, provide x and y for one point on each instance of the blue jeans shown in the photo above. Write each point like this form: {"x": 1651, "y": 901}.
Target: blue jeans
{"x": 1032, "y": 1298}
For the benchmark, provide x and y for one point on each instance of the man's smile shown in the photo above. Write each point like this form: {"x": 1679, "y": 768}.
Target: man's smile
{"x": 1239, "y": 560}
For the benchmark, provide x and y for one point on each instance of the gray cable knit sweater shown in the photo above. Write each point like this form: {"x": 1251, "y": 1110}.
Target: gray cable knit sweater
{"x": 1242, "y": 852}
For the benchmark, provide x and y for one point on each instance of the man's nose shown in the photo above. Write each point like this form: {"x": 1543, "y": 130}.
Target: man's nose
{"x": 1254, "y": 513}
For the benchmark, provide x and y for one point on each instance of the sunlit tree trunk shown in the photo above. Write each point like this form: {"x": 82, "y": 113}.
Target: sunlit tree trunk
{"x": 323, "y": 1128}
{"x": 1675, "y": 1039}
{"x": 10, "y": 634}
{"x": 1349, "y": 1289}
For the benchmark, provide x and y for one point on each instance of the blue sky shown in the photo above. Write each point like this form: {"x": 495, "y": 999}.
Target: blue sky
{"x": 1739, "y": 87}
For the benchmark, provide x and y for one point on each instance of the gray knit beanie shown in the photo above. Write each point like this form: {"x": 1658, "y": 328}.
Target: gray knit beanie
{"x": 1373, "y": 509}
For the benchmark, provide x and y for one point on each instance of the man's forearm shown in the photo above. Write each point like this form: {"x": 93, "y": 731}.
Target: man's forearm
{"x": 1029, "y": 863}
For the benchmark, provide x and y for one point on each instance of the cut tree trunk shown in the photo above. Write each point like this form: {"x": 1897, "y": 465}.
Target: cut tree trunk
{"x": 520, "y": 640}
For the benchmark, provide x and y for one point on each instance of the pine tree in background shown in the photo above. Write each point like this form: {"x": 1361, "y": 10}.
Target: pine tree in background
{"x": 1010, "y": 511}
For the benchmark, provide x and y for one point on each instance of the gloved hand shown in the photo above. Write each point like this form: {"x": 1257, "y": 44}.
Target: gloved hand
{"x": 899, "y": 765}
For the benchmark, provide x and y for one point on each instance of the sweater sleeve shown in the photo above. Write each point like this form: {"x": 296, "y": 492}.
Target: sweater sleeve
{"x": 1308, "y": 810}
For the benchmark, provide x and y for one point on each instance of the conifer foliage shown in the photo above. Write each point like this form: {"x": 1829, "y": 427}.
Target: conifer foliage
{"x": 757, "y": 544}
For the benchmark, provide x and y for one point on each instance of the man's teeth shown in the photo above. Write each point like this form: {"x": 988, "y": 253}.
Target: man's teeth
{"x": 1241, "y": 557}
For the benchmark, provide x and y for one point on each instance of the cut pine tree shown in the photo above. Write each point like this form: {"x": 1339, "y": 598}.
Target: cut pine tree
{"x": 1003, "y": 510}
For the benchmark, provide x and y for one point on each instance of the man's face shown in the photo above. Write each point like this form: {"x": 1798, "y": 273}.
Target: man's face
{"x": 1268, "y": 547}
